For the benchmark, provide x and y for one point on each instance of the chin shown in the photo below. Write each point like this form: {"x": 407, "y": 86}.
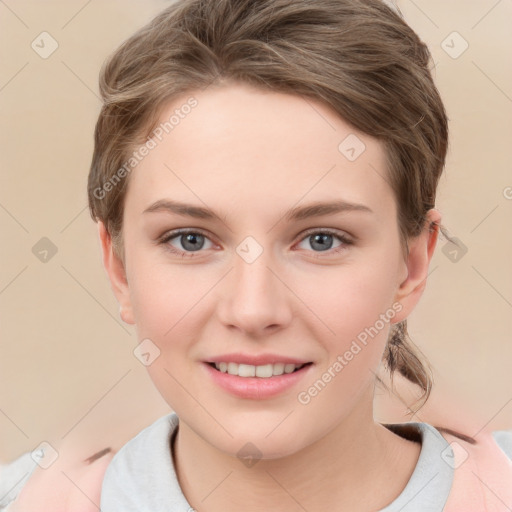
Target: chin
{"x": 250, "y": 444}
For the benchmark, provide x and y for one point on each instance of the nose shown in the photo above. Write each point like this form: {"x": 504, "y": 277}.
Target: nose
{"x": 255, "y": 298}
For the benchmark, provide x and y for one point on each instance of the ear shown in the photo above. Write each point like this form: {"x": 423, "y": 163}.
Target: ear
{"x": 421, "y": 250}
{"x": 116, "y": 274}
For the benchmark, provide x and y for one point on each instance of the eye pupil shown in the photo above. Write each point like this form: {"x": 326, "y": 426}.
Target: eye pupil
{"x": 320, "y": 239}
{"x": 191, "y": 238}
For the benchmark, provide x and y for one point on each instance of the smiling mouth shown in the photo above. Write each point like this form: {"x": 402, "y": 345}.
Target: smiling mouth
{"x": 265, "y": 371}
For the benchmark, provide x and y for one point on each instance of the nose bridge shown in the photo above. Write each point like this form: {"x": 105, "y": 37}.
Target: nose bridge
{"x": 253, "y": 279}
{"x": 255, "y": 297}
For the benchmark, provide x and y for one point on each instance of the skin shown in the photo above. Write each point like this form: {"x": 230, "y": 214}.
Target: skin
{"x": 250, "y": 156}
{"x": 70, "y": 484}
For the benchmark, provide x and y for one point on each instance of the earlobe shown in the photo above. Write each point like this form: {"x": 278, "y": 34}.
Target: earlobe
{"x": 421, "y": 250}
{"x": 117, "y": 275}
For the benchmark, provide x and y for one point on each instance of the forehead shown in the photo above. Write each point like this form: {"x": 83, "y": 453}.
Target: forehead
{"x": 243, "y": 147}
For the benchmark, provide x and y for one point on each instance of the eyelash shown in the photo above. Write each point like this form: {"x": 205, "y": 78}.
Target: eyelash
{"x": 165, "y": 239}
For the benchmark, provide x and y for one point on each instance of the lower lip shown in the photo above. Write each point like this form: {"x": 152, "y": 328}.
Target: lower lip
{"x": 256, "y": 388}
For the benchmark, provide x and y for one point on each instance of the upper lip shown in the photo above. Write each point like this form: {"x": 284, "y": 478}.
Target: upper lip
{"x": 256, "y": 360}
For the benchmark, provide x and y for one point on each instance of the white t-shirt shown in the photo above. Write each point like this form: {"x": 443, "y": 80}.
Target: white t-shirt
{"x": 141, "y": 477}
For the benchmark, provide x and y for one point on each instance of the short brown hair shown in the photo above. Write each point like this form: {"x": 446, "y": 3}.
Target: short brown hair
{"x": 359, "y": 57}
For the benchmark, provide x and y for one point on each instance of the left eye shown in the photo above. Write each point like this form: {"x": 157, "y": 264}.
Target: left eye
{"x": 323, "y": 240}
{"x": 193, "y": 241}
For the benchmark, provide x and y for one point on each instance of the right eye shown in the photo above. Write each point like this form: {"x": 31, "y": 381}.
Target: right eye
{"x": 191, "y": 240}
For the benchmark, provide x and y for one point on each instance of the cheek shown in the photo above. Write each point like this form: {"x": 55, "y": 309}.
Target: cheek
{"x": 163, "y": 303}
{"x": 355, "y": 306}
{"x": 163, "y": 296}
{"x": 350, "y": 300}
{"x": 169, "y": 304}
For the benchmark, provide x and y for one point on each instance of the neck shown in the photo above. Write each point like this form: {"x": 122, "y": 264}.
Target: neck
{"x": 359, "y": 466}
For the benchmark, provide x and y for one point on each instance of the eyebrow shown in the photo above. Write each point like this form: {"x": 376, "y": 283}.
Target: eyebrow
{"x": 316, "y": 209}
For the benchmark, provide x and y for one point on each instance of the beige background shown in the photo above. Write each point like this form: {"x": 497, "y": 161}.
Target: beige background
{"x": 67, "y": 370}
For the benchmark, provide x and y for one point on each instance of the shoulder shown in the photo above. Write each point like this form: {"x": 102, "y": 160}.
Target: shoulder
{"x": 456, "y": 471}
{"x": 146, "y": 446}
{"x": 67, "y": 485}
{"x": 504, "y": 440}
{"x": 484, "y": 445}
{"x": 141, "y": 475}
{"x": 482, "y": 470}
{"x": 71, "y": 484}
{"x": 158, "y": 430}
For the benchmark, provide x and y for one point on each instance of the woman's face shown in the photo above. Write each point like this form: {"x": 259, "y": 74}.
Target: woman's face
{"x": 264, "y": 277}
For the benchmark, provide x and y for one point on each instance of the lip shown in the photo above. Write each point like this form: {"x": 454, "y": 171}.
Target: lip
{"x": 256, "y": 388}
{"x": 255, "y": 360}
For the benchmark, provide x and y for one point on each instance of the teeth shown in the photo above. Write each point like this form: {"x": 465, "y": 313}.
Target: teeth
{"x": 248, "y": 370}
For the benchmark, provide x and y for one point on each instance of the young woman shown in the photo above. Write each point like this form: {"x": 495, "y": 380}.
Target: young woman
{"x": 264, "y": 180}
